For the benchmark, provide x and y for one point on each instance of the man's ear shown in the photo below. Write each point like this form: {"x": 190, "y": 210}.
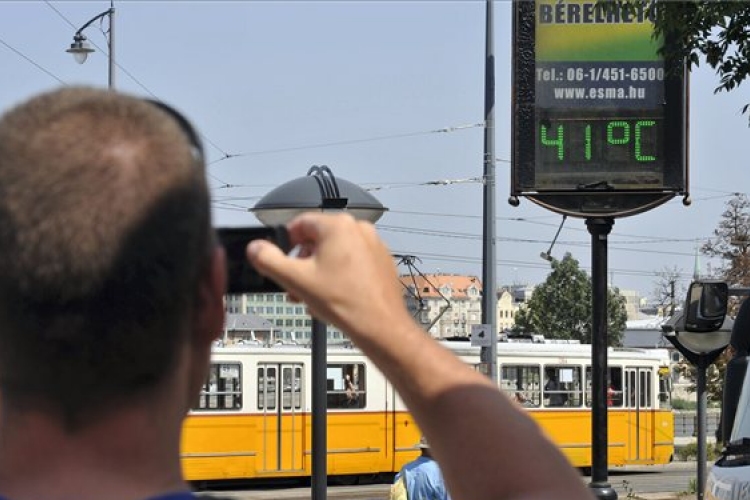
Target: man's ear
{"x": 209, "y": 314}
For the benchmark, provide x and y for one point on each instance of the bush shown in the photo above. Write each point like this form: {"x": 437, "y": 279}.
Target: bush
{"x": 690, "y": 452}
{"x": 684, "y": 404}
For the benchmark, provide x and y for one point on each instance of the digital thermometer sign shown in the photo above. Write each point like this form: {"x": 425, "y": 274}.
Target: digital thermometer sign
{"x": 597, "y": 111}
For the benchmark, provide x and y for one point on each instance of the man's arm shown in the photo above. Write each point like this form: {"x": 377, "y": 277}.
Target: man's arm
{"x": 487, "y": 448}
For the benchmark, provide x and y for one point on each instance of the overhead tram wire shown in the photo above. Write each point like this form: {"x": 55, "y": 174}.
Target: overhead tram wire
{"x": 531, "y": 220}
{"x": 524, "y": 264}
{"x": 30, "y": 60}
{"x": 644, "y": 239}
{"x": 350, "y": 141}
{"x": 470, "y": 236}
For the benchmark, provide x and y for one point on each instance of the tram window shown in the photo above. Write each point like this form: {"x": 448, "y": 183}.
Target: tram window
{"x": 521, "y": 383}
{"x": 346, "y": 385}
{"x": 266, "y": 387}
{"x": 291, "y": 388}
{"x": 614, "y": 386}
{"x": 222, "y": 389}
{"x": 562, "y": 386}
{"x": 645, "y": 389}
{"x": 631, "y": 392}
{"x": 665, "y": 389}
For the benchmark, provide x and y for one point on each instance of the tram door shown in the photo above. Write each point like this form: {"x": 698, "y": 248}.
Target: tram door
{"x": 640, "y": 415}
{"x": 280, "y": 402}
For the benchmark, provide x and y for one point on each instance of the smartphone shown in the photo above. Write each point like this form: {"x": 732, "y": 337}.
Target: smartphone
{"x": 242, "y": 277}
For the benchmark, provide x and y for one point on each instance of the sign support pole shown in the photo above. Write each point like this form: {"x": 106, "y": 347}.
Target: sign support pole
{"x": 599, "y": 229}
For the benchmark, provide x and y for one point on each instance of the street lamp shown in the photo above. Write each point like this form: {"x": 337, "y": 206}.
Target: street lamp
{"x": 81, "y": 48}
{"x": 701, "y": 333}
{"x": 318, "y": 191}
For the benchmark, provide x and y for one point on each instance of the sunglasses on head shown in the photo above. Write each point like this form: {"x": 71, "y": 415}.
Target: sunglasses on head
{"x": 195, "y": 142}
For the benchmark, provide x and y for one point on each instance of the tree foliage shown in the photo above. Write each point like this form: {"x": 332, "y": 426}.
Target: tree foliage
{"x": 561, "y": 306}
{"x": 731, "y": 241}
{"x": 714, "y": 376}
{"x": 714, "y": 31}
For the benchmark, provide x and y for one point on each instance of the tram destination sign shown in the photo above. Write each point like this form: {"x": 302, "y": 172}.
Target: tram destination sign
{"x": 599, "y": 116}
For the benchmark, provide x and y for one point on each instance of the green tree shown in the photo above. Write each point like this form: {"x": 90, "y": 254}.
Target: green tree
{"x": 731, "y": 241}
{"x": 561, "y": 306}
{"x": 714, "y": 377}
{"x": 713, "y": 31}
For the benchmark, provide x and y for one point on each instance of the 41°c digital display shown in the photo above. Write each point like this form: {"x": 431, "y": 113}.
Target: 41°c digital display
{"x": 621, "y": 152}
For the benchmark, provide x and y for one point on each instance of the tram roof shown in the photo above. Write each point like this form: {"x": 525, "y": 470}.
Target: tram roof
{"x": 464, "y": 348}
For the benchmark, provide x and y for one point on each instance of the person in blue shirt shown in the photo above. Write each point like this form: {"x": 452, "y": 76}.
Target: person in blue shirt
{"x": 422, "y": 477}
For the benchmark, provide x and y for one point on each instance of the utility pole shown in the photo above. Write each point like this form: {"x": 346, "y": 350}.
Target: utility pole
{"x": 489, "y": 298}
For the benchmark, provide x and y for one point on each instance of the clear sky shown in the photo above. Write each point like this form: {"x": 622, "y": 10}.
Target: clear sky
{"x": 366, "y": 88}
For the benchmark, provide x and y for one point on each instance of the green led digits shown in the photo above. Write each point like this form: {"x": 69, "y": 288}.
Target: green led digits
{"x": 599, "y": 141}
{"x": 624, "y": 127}
{"x": 559, "y": 141}
{"x": 639, "y": 126}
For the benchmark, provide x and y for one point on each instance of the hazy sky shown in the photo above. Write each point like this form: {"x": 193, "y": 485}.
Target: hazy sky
{"x": 369, "y": 89}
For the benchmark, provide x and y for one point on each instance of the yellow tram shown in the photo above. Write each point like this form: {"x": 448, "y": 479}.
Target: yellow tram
{"x": 253, "y": 418}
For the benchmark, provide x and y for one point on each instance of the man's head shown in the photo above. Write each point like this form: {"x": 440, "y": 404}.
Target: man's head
{"x": 424, "y": 447}
{"x": 106, "y": 237}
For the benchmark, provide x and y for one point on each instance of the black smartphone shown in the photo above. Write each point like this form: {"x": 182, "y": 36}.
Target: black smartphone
{"x": 242, "y": 277}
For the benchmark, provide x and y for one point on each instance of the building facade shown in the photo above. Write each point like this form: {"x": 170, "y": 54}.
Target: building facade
{"x": 290, "y": 319}
{"x": 507, "y": 307}
{"x": 446, "y": 305}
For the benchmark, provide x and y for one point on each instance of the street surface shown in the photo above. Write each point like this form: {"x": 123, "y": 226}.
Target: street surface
{"x": 632, "y": 480}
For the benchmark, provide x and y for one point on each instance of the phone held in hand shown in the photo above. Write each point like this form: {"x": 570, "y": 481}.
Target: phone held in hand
{"x": 242, "y": 277}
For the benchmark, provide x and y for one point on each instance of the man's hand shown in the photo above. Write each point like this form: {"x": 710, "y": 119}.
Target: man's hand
{"x": 343, "y": 272}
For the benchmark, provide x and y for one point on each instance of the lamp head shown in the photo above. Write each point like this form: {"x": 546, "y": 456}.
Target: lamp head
{"x": 318, "y": 191}
{"x": 80, "y": 48}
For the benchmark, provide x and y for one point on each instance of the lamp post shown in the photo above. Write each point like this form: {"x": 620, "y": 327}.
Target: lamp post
{"x": 318, "y": 191}
{"x": 489, "y": 298}
{"x": 700, "y": 334}
{"x": 81, "y": 48}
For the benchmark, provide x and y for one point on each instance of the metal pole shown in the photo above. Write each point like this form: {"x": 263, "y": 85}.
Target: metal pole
{"x": 489, "y": 300}
{"x": 319, "y": 349}
{"x": 702, "y": 398}
{"x": 111, "y": 38}
{"x": 599, "y": 229}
